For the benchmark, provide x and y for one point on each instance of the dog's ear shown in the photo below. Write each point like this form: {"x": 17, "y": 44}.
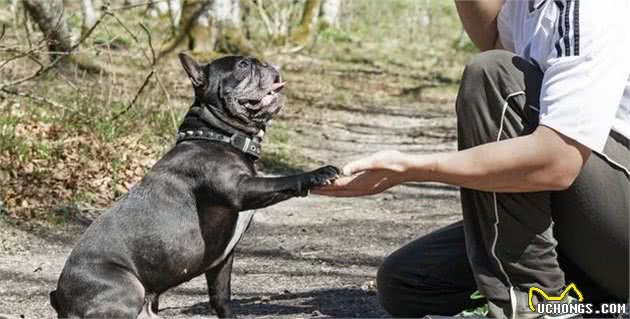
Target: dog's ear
{"x": 193, "y": 69}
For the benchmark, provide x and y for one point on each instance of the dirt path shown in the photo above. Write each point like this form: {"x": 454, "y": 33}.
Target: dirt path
{"x": 305, "y": 257}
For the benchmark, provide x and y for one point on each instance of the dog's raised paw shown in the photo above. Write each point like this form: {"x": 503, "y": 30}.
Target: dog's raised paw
{"x": 323, "y": 176}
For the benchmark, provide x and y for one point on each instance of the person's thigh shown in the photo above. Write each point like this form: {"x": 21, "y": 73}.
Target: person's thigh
{"x": 592, "y": 220}
{"x": 430, "y": 275}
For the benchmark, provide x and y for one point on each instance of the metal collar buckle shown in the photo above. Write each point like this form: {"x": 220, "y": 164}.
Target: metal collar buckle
{"x": 246, "y": 145}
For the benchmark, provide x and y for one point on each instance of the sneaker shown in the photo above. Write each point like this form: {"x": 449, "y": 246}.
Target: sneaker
{"x": 479, "y": 312}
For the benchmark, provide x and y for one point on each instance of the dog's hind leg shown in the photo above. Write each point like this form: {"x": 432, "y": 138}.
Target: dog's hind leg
{"x": 218, "y": 279}
{"x": 154, "y": 300}
{"x": 149, "y": 309}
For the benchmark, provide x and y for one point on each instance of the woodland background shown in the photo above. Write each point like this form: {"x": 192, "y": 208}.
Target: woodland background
{"x": 91, "y": 91}
{"x": 91, "y": 94}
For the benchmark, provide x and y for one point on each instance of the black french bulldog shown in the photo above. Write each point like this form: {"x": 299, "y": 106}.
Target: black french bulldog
{"x": 187, "y": 214}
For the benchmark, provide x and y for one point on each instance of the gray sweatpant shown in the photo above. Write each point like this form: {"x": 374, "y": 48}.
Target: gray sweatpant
{"x": 509, "y": 242}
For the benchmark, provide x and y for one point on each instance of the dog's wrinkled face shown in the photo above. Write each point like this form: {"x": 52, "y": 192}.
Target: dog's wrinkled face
{"x": 236, "y": 88}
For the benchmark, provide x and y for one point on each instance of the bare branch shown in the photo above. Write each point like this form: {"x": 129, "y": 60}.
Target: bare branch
{"x": 124, "y": 26}
{"x": 89, "y": 32}
{"x": 131, "y": 6}
{"x": 146, "y": 80}
{"x": 264, "y": 17}
{"x": 4, "y": 29}
{"x": 153, "y": 56}
{"x": 51, "y": 65}
{"x": 27, "y": 53}
{"x": 135, "y": 98}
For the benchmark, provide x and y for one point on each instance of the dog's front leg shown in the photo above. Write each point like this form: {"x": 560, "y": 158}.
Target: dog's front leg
{"x": 218, "y": 279}
{"x": 259, "y": 192}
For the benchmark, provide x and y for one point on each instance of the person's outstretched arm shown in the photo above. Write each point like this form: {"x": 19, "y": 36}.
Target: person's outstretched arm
{"x": 579, "y": 98}
{"x": 544, "y": 160}
{"x": 479, "y": 18}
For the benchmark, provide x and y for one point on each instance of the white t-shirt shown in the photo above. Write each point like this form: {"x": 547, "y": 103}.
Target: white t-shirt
{"x": 583, "y": 48}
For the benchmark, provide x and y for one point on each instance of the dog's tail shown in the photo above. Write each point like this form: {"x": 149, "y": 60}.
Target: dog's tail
{"x": 53, "y": 300}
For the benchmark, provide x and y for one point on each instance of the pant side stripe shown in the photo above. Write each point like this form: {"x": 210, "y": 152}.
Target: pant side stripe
{"x": 496, "y": 210}
{"x": 614, "y": 163}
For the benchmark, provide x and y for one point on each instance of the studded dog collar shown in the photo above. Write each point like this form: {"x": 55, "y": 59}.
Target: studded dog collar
{"x": 239, "y": 141}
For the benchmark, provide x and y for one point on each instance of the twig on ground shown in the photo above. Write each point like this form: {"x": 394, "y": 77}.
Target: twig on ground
{"x": 35, "y": 98}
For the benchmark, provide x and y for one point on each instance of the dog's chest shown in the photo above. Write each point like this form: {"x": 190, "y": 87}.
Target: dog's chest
{"x": 244, "y": 218}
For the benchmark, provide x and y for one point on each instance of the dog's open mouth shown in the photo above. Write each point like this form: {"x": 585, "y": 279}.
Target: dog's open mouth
{"x": 266, "y": 100}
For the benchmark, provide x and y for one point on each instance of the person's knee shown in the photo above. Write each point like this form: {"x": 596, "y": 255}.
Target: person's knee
{"x": 486, "y": 63}
{"x": 477, "y": 74}
{"x": 386, "y": 285}
{"x": 396, "y": 293}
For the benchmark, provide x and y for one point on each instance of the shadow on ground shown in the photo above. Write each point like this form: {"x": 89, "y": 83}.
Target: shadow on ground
{"x": 337, "y": 302}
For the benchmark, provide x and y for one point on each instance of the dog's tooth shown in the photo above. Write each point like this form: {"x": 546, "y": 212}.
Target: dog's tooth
{"x": 200, "y": 132}
{"x": 189, "y": 133}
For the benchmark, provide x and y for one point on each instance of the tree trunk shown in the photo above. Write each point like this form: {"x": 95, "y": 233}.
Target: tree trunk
{"x": 330, "y": 12}
{"x": 13, "y": 5}
{"x": 194, "y": 23}
{"x": 157, "y": 9}
{"x": 172, "y": 8}
{"x": 226, "y": 20}
{"x": 210, "y": 25}
{"x": 88, "y": 16}
{"x": 227, "y": 12}
{"x": 49, "y": 16}
{"x": 308, "y": 24}
{"x": 174, "y": 11}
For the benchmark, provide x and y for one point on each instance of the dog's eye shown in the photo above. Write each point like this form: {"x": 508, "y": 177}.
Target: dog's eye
{"x": 243, "y": 64}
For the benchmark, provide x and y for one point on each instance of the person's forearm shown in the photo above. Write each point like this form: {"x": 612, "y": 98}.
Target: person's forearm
{"x": 539, "y": 162}
{"x": 479, "y": 18}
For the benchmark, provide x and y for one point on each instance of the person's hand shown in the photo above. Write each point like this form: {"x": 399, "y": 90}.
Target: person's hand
{"x": 368, "y": 176}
